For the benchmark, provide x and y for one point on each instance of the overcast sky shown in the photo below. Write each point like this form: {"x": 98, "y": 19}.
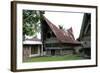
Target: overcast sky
{"x": 67, "y": 19}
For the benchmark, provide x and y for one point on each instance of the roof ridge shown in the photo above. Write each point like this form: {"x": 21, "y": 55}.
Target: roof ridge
{"x": 60, "y": 34}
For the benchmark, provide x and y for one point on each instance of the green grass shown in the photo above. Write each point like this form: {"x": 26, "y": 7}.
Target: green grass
{"x": 53, "y": 58}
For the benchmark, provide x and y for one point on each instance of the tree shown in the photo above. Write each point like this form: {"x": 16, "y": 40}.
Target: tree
{"x": 31, "y": 23}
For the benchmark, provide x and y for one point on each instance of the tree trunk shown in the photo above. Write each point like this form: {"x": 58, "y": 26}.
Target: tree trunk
{"x": 23, "y": 37}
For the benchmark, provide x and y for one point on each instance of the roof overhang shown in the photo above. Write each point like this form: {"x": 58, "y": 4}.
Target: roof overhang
{"x": 28, "y": 42}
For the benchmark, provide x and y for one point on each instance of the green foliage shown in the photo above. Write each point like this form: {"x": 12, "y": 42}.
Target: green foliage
{"x": 31, "y": 22}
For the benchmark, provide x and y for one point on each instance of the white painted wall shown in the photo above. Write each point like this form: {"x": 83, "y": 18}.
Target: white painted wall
{"x": 5, "y": 38}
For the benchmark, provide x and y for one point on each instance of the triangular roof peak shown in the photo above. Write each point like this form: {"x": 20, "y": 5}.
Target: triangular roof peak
{"x": 61, "y": 35}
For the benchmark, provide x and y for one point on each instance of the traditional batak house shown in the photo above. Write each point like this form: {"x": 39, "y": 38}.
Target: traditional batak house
{"x": 57, "y": 41}
{"x": 32, "y": 48}
{"x": 85, "y": 36}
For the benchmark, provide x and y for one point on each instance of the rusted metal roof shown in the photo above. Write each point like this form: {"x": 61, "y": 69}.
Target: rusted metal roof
{"x": 62, "y": 35}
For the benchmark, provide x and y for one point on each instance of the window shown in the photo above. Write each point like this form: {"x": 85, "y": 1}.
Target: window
{"x": 34, "y": 49}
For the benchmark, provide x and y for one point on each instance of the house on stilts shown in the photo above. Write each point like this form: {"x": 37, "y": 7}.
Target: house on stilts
{"x": 85, "y": 36}
{"x": 57, "y": 41}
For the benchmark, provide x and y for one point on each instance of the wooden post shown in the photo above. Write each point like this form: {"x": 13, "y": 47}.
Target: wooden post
{"x": 41, "y": 49}
{"x": 61, "y": 52}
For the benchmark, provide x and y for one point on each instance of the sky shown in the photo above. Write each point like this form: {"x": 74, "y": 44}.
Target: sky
{"x": 67, "y": 19}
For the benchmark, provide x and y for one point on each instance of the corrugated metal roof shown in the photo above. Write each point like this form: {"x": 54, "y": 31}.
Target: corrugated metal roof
{"x": 32, "y": 41}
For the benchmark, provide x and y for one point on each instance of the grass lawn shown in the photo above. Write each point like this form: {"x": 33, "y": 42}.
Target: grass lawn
{"x": 53, "y": 58}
